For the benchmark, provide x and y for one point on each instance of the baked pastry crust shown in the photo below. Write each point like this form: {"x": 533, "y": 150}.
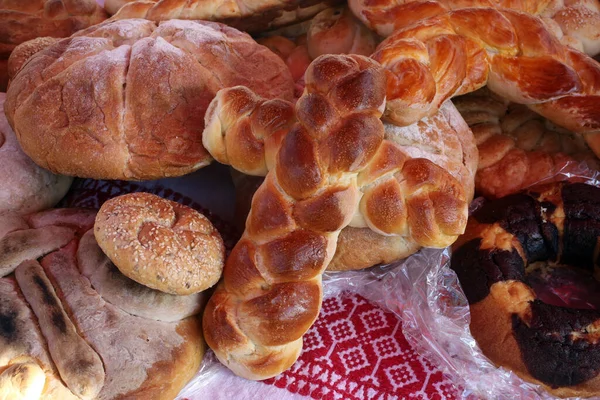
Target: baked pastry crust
{"x": 88, "y": 96}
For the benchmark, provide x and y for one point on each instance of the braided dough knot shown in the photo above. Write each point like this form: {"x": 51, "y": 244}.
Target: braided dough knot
{"x": 160, "y": 243}
{"x": 513, "y": 53}
{"x": 411, "y": 197}
{"x": 254, "y": 127}
{"x": 271, "y": 292}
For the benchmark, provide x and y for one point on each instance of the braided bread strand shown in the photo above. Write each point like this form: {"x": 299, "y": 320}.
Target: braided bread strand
{"x": 416, "y": 187}
{"x": 513, "y": 53}
{"x": 517, "y": 147}
{"x": 271, "y": 292}
{"x": 576, "y": 22}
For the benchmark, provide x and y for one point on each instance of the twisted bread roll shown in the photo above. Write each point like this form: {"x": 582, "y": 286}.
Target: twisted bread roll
{"x": 517, "y": 147}
{"x": 271, "y": 292}
{"x": 513, "y": 53}
{"x": 575, "y": 22}
{"x": 238, "y": 134}
{"x": 90, "y": 95}
{"x": 247, "y": 15}
{"x": 245, "y": 130}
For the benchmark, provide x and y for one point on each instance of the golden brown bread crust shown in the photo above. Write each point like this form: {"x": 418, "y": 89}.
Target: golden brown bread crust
{"x": 517, "y": 147}
{"x": 513, "y": 53}
{"x": 271, "y": 292}
{"x": 160, "y": 243}
{"x": 21, "y": 21}
{"x": 356, "y": 247}
{"x": 90, "y": 94}
{"x": 444, "y": 140}
{"x": 246, "y": 15}
{"x": 24, "y": 51}
{"x": 575, "y": 22}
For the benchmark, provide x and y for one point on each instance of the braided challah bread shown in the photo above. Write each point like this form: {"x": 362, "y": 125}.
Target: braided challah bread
{"x": 24, "y": 20}
{"x": 247, "y": 15}
{"x": 575, "y": 22}
{"x": 271, "y": 292}
{"x": 517, "y": 147}
{"x": 245, "y": 131}
{"x": 89, "y": 96}
{"x": 513, "y": 53}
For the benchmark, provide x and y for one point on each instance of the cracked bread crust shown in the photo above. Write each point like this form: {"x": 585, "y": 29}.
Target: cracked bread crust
{"x": 126, "y": 99}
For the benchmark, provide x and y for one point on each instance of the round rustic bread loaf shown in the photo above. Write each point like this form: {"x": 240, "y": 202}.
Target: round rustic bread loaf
{"x": 126, "y": 99}
{"x": 160, "y": 243}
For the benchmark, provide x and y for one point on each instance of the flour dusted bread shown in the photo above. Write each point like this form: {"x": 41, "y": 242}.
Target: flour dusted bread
{"x": 142, "y": 358}
{"x": 90, "y": 96}
{"x": 160, "y": 243}
{"x": 247, "y": 15}
{"x": 24, "y": 186}
{"x": 24, "y": 51}
{"x": 21, "y": 342}
{"x": 55, "y": 319}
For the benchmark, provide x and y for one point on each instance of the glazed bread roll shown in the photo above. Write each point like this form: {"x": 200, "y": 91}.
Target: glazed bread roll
{"x": 519, "y": 148}
{"x": 243, "y": 130}
{"x": 246, "y": 15}
{"x": 160, "y": 243}
{"x": 575, "y": 22}
{"x": 24, "y": 20}
{"x": 513, "y": 53}
{"x": 271, "y": 291}
{"x": 24, "y": 186}
{"x": 89, "y": 95}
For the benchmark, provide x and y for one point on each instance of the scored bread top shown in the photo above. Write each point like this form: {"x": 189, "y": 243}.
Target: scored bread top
{"x": 126, "y": 99}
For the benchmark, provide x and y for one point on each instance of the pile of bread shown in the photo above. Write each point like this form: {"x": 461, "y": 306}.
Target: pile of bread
{"x": 356, "y": 133}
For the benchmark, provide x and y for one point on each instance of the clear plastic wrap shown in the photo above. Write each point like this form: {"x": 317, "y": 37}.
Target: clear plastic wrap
{"x": 425, "y": 293}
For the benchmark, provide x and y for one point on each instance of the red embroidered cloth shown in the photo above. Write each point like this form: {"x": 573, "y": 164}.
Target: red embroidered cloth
{"x": 355, "y": 350}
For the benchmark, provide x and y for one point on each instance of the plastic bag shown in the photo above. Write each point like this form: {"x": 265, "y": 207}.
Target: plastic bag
{"x": 425, "y": 293}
